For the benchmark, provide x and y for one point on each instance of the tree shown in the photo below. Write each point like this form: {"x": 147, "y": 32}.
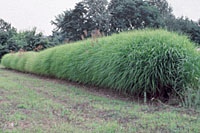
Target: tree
{"x": 79, "y": 23}
{"x": 11, "y": 40}
{"x": 4, "y": 26}
{"x": 72, "y": 23}
{"x": 29, "y": 40}
{"x": 165, "y": 11}
{"x": 132, "y": 14}
{"x": 162, "y": 6}
{"x": 117, "y": 16}
{"x": 184, "y": 26}
{"x": 98, "y": 14}
{"x": 6, "y": 32}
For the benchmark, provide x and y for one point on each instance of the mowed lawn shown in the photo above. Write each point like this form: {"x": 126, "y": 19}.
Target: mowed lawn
{"x": 31, "y": 103}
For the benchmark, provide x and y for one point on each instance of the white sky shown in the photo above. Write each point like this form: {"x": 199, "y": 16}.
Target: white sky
{"x": 26, "y": 14}
{"x": 189, "y": 8}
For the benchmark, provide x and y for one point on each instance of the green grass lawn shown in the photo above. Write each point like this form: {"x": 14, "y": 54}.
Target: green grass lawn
{"x": 30, "y": 103}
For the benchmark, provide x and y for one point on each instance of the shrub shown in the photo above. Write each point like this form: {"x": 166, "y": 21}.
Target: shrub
{"x": 30, "y": 62}
{"x": 23, "y": 57}
{"x": 6, "y": 60}
{"x": 155, "y": 62}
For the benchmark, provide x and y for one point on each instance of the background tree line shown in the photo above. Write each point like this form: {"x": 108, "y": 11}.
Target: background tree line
{"x": 108, "y": 17}
{"x": 120, "y": 15}
{"x": 29, "y": 40}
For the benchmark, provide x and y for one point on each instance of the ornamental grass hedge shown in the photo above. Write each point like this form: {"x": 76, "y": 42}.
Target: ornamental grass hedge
{"x": 155, "y": 62}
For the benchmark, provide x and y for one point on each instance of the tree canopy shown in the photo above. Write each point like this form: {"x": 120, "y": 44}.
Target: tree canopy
{"x": 13, "y": 41}
{"x": 120, "y": 15}
{"x": 133, "y": 14}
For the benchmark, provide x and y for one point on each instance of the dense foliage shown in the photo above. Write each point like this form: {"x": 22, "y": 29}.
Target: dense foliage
{"x": 79, "y": 23}
{"x": 116, "y": 16}
{"x": 13, "y": 41}
{"x": 156, "y": 62}
{"x": 185, "y": 26}
{"x": 133, "y": 14}
{"x": 120, "y": 15}
{"x": 6, "y": 33}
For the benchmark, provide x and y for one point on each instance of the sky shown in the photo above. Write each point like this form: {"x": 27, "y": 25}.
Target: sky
{"x": 26, "y": 14}
{"x": 189, "y": 8}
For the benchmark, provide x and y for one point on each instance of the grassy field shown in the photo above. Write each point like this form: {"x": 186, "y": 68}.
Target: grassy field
{"x": 30, "y": 103}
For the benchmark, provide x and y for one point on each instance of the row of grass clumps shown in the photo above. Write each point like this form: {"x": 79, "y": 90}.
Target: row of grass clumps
{"x": 155, "y": 62}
